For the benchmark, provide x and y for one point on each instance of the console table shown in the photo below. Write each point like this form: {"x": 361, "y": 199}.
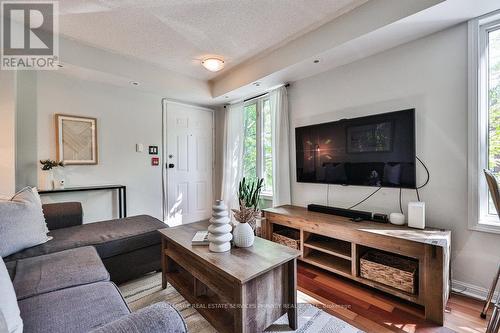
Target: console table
{"x": 122, "y": 194}
{"x": 336, "y": 244}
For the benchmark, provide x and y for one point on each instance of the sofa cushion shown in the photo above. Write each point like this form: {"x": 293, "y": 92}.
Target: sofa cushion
{"x": 58, "y": 270}
{"x": 9, "y": 310}
{"x": 158, "y": 317}
{"x": 78, "y": 309}
{"x": 22, "y": 224}
{"x": 63, "y": 214}
{"x": 110, "y": 238}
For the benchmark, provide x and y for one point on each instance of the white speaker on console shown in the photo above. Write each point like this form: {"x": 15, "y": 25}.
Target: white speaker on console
{"x": 397, "y": 218}
{"x": 416, "y": 215}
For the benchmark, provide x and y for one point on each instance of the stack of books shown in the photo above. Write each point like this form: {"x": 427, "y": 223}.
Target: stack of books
{"x": 200, "y": 238}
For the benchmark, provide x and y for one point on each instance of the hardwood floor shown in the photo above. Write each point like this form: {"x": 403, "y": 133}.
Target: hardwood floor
{"x": 373, "y": 311}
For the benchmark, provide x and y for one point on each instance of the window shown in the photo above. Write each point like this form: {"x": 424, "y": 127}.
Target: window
{"x": 484, "y": 118}
{"x": 257, "y": 149}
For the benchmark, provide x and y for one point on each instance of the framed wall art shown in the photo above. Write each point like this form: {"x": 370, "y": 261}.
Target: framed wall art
{"x": 76, "y": 139}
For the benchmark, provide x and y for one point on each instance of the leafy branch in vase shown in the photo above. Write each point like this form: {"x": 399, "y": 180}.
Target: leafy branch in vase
{"x": 50, "y": 164}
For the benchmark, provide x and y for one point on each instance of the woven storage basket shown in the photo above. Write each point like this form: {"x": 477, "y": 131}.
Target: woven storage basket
{"x": 393, "y": 271}
{"x": 287, "y": 237}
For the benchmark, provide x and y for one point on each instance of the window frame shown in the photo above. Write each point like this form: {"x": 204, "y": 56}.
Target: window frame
{"x": 259, "y": 141}
{"x": 479, "y": 218}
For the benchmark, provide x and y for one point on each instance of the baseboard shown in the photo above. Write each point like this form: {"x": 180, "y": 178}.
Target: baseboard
{"x": 470, "y": 290}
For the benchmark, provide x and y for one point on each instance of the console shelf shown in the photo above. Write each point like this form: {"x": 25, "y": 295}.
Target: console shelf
{"x": 328, "y": 245}
{"x": 336, "y": 244}
{"x": 328, "y": 262}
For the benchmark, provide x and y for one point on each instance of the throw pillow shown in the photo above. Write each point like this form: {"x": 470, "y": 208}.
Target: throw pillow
{"x": 22, "y": 224}
{"x": 10, "y": 316}
{"x": 39, "y": 202}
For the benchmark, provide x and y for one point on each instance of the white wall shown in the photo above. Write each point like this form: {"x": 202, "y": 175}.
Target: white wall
{"x": 26, "y": 129}
{"x": 430, "y": 75}
{"x": 7, "y": 132}
{"x": 125, "y": 117}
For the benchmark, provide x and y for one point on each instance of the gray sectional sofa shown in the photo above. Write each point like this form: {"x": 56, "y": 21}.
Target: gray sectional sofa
{"x": 70, "y": 291}
{"x": 128, "y": 247}
{"x": 64, "y": 284}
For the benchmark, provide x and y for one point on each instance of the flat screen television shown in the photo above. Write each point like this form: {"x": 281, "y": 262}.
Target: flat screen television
{"x": 377, "y": 150}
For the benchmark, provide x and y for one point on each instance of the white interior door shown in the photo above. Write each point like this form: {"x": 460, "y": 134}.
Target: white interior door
{"x": 188, "y": 158}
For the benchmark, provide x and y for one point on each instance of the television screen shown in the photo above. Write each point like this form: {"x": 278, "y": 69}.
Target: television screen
{"x": 377, "y": 150}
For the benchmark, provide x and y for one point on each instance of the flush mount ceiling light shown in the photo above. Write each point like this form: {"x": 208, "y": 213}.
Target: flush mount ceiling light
{"x": 134, "y": 83}
{"x": 213, "y": 64}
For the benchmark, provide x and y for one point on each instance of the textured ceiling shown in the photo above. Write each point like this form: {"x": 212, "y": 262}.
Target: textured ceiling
{"x": 176, "y": 34}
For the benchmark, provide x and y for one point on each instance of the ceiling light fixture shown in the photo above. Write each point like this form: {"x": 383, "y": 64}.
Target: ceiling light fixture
{"x": 134, "y": 83}
{"x": 213, "y": 64}
{"x": 316, "y": 61}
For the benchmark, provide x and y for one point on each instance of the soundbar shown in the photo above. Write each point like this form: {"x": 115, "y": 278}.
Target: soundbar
{"x": 353, "y": 214}
{"x": 340, "y": 211}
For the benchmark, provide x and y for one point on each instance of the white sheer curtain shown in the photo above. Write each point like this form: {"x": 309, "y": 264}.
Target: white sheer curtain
{"x": 234, "y": 132}
{"x": 281, "y": 146}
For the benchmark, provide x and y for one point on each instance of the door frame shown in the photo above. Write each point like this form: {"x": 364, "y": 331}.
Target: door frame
{"x": 164, "y": 145}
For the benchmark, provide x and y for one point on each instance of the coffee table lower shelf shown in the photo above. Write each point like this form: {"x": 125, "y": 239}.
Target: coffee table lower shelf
{"x": 220, "y": 317}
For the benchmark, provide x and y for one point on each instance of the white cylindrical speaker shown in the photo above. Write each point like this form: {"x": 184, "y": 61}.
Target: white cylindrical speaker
{"x": 397, "y": 218}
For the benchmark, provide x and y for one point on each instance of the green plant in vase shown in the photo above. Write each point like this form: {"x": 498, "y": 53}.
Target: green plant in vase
{"x": 249, "y": 198}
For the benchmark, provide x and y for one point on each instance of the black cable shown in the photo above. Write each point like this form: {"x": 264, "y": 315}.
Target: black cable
{"x": 426, "y": 181}
{"x": 368, "y": 197}
{"x": 427, "y": 171}
{"x": 400, "y": 201}
{"x": 400, "y": 190}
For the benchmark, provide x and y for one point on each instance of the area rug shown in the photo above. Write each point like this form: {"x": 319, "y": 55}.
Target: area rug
{"x": 147, "y": 290}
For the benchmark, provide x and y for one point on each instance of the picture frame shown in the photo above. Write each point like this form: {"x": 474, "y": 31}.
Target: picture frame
{"x": 76, "y": 139}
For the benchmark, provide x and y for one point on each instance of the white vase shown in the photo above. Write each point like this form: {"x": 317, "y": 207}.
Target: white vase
{"x": 243, "y": 235}
{"x": 58, "y": 180}
{"x": 47, "y": 180}
{"x": 219, "y": 230}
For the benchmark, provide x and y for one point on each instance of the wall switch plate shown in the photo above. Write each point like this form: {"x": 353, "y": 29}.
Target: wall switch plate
{"x": 155, "y": 161}
{"x": 139, "y": 147}
{"x": 153, "y": 150}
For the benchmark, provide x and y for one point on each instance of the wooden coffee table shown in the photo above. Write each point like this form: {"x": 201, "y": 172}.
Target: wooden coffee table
{"x": 243, "y": 290}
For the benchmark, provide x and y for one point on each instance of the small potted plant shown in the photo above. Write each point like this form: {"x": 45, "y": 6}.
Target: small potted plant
{"x": 249, "y": 198}
{"x": 47, "y": 172}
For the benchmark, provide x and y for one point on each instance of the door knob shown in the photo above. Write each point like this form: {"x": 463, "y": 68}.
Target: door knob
{"x": 171, "y": 165}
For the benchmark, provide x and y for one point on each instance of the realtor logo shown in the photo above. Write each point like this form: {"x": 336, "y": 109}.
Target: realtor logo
{"x": 29, "y": 35}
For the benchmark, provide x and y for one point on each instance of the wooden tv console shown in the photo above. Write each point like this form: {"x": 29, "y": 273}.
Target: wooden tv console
{"x": 336, "y": 243}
